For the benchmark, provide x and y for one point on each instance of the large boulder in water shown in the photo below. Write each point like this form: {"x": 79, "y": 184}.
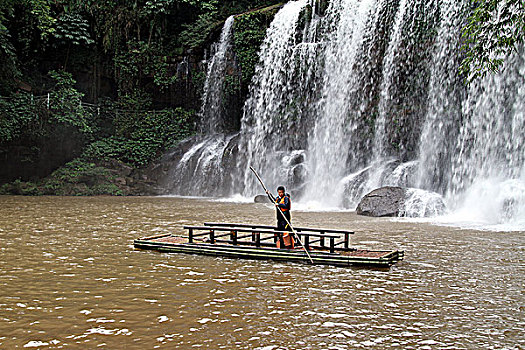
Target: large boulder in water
{"x": 261, "y": 198}
{"x": 384, "y": 201}
{"x": 400, "y": 201}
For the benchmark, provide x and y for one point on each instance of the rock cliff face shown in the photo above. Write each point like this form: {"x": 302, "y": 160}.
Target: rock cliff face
{"x": 30, "y": 160}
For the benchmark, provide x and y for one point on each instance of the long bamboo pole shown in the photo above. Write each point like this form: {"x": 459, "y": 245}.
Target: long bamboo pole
{"x": 284, "y": 216}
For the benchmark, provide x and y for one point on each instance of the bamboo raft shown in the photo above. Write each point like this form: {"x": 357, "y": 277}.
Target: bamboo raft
{"x": 326, "y": 246}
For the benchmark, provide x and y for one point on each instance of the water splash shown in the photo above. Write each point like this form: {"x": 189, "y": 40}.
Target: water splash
{"x": 200, "y": 170}
{"x": 489, "y": 150}
{"x": 420, "y": 204}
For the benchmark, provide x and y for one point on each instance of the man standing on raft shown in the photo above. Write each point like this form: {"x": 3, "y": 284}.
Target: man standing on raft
{"x": 283, "y": 206}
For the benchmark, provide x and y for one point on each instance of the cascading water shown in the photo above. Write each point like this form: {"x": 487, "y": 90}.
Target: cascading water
{"x": 330, "y": 141}
{"x": 367, "y": 93}
{"x": 470, "y": 149}
{"x": 271, "y": 124}
{"x": 446, "y": 91}
{"x": 212, "y": 114}
{"x": 403, "y": 92}
{"x": 200, "y": 170}
{"x": 487, "y": 167}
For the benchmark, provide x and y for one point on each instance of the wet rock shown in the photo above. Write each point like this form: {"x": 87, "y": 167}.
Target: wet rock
{"x": 295, "y": 158}
{"x": 401, "y": 201}
{"x": 297, "y": 175}
{"x": 384, "y": 201}
{"x": 120, "y": 181}
{"x": 261, "y": 198}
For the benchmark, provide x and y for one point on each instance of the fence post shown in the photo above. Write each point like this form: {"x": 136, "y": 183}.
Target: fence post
{"x": 190, "y": 235}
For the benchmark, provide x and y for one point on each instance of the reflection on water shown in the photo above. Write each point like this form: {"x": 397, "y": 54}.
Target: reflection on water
{"x": 70, "y": 278}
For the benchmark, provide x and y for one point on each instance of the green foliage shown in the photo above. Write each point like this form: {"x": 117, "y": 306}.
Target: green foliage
{"x": 23, "y": 117}
{"x": 76, "y": 178}
{"x": 199, "y": 79}
{"x": 140, "y": 61}
{"x": 19, "y": 187}
{"x": 232, "y": 85}
{"x": 249, "y": 33}
{"x": 198, "y": 33}
{"x": 80, "y": 177}
{"x": 41, "y": 9}
{"x": 211, "y": 17}
{"x": 494, "y": 30}
{"x": 19, "y": 117}
{"x": 152, "y": 133}
{"x": 67, "y": 103}
{"x": 73, "y": 29}
{"x": 8, "y": 61}
{"x": 134, "y": 152}
{"x": 133, "y": 45}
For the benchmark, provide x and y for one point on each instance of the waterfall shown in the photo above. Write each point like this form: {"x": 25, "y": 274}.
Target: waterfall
{"x": 330, "y": 141}
{"x": 272, "y": 114}
{"x": 403, "y": 91}
{"x": 211, "y": 113}
{"x": 446, "y": 92}
{"x": 200, "y": 170}
{"x": 488, "y": 163}
{"x": 363, "y": 94}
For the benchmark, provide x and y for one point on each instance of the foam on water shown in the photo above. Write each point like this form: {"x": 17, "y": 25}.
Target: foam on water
{"x": 236, "y": 198}
{"x": 316, "y": 206}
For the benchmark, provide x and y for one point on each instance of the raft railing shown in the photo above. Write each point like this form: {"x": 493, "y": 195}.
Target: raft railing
{"x": 217, "y": 231}
{"x": 300, "y": 231}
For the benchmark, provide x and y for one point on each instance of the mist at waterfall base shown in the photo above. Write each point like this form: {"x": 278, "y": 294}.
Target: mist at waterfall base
{"x": 365, "y": 94}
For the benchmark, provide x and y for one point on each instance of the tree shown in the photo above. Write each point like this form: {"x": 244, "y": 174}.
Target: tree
{"x": 72, "y": 29}
{"x": 495, "y": 29}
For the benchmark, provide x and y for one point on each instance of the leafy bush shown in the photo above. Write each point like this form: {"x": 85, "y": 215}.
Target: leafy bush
{"x": 80, "y": 178}
{"x": 19, "y": 117}
{"x": 494, "y": 30}
{"x": 66, "y": 103}
{"x": 18, "y": 187}
{"x": 249, "y": 33}
{"x": 152, "y": 133}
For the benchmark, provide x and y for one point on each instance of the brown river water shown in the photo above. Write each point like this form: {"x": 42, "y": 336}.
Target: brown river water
{"x": 70, "y": 278}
